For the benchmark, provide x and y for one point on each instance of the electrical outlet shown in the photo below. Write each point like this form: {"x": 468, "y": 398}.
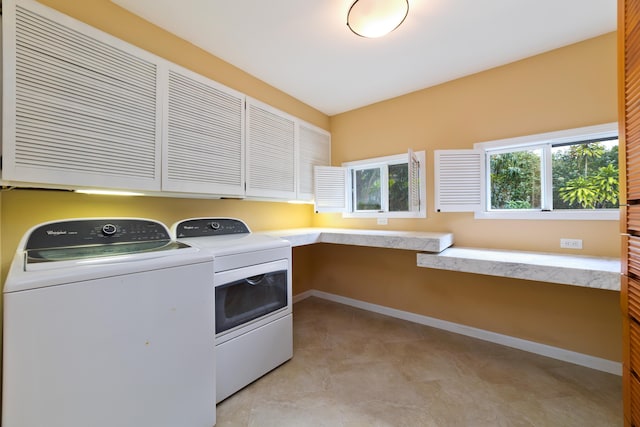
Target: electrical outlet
{"x": 571, "y": 243}
{"x": 382, "y": 221}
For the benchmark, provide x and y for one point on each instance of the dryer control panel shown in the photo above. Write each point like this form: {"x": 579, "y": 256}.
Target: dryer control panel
{"x": 199, "y": 227}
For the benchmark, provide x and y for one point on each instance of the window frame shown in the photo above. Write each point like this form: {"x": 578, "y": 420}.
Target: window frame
{"x": 383, "y": 163}
{"x": 384, "y": 191}
{"x": 546, "y": 141}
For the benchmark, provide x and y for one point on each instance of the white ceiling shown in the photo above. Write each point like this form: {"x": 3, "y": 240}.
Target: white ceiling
{"x": 304, "y": 48}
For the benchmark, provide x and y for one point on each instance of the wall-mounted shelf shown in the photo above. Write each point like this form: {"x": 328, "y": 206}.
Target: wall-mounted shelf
{"x": 577, "y": 270}
{"x": 408, "y": 240}
{"x": 435, "y": 251}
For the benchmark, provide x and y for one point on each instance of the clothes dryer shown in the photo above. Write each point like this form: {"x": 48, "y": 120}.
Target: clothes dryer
{"x": 253, "y": 308}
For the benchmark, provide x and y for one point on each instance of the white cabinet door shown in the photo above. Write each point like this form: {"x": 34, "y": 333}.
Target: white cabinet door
{"x": 203, "y": 137}
{"x": 314, "y": 149}
{"x": 270, "y": 145}
{"x": 80, "y": 107}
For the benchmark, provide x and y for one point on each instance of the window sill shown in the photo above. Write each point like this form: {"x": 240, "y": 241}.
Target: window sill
{"x": 576, "y": 270}
{"x": 421, "y": 214}
{"x": 586, "y": 215}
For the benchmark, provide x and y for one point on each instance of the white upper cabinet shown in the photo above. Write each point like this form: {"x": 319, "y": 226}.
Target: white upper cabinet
{"x": 270, "y": 145}
{"x": 203, "y": 132}
{"x": 80, "y": 107}
{"x": 314, "y": 149}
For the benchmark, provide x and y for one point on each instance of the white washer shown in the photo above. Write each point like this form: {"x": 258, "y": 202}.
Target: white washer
{"x": 252, "y": 279}
{"x": 107, "y": 322}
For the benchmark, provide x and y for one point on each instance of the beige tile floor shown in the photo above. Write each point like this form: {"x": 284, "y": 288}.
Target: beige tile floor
{"x": 355, "y": 368}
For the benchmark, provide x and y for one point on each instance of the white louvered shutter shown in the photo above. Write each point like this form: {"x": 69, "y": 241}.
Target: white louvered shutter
{"x": 413, "y": 165}
{"x": 203, "y": 132}
{"x": 330, "y": 189}
{"x": 270, "y": 145}
{"x": 81, "y": 106}
{"x": 458, "y": 180}
{"x": 314, "y": 149}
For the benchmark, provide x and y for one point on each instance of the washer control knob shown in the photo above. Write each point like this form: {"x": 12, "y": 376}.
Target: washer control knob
{"x": 109, "y": 229}
{"x": 215, "y": 225}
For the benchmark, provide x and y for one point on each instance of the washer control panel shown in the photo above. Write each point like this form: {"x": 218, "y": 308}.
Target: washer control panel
{"x": 199, "y": 227}
{"x": 95, "y": 231}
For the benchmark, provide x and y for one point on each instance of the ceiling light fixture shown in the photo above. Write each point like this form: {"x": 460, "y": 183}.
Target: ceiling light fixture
{"x": 375, "y": 18}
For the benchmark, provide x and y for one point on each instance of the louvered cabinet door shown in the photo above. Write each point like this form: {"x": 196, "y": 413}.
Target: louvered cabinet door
{"x": 630, "y": 109}
{"x": 203, "y": 149}
{"x": 630, "y": 299}
{"x": 270, "y": 145}
{"x": 634, "y": 403}
{"x": 80, "y": 107}
{"x": 314, "y": 149}
{"x": 629, "y": 113}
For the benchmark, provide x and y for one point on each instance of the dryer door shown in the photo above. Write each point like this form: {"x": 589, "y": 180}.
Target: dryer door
{"x": 247, "y": 294}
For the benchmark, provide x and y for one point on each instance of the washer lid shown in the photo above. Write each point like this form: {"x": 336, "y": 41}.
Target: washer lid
{"x": 108, "y": 249}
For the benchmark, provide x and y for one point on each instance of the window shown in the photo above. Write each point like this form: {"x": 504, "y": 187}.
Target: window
{"x": 515, "y": 178}
{"x": 390, "y": 186}
{"x": 366, "y": 191}
{"x": 570, "y": 174}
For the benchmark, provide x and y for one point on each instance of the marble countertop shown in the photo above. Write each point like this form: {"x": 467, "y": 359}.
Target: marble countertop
{"x": 435, "y": 251}
{"x": 409, "y": 240}
{"x": 586, "y": 271}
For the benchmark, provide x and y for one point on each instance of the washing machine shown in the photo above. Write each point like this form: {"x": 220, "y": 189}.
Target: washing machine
{"x": 107, "y": 322}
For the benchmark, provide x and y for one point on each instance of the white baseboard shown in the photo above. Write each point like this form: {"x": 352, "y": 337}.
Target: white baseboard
{"x": 530, "y": 346}
{"x": 304, "y": 295}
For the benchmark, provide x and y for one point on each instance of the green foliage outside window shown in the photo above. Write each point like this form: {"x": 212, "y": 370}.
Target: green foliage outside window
{"x": 515, "y": 180}
{"x": 399, "y": 188}
{"x": 367, "y": 186}
{"x": 585, "y": 176}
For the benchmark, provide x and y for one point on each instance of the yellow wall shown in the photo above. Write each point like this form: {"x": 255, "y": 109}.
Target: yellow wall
{"x": 578, "y": 319}
{"x": 566, "y": 88}
{"x": 569, "y": 87}
{"x": 22, "y": 209}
